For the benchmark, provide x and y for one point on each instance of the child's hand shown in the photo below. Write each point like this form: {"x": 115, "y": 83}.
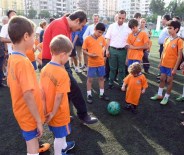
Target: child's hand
{"x": 39, "y": 129}
{"x": 107, "y": 53}
{"x": 123, "y": 89}
{"x": 143, "y": 91}
{"x": 93, "y": 55}
{"x": 173, "y": 72}
{"x": 159, "y": 66}
{"x": 49, "y": 116}
{"x": 182, "y": 66}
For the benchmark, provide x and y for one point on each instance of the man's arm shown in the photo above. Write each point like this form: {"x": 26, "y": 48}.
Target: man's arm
{"x": 107, "y": 47}
{"x": 5, "y": 40}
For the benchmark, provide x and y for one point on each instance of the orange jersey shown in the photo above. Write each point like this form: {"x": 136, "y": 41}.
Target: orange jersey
{"x": 137, "y": 41}
{"x": 22, "y": 78}
{"x": 93, "y": 45}
{"x": 30, "y": 54}
{"x": 170, "y": 53}
{"x": 36, "y": 42}
{"x": 134, "y": 88}
{"x": 54, "y": 79}
{"x": 40, "y": 45}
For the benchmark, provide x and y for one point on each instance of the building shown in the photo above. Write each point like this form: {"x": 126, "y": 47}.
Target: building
{"x": 107, "y": 8}
{"x": 5, "y": 5}
{"x": 89, "y": 6}
{"x": 134, "y": 6}
{"x": 53, "y": 6}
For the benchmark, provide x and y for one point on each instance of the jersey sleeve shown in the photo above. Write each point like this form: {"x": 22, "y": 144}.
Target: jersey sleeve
{"x": 145, "y": 38}
{"x": 129, "y": 39}
{"x": 63, "y": 85}
{"x": 126, "y": 79}
{"x": 144, "y": 82}
{"x": 180, "y": 44}
{"x": 25, "y": 76}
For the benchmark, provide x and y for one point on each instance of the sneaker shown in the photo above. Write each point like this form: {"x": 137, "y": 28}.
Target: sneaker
{"x": 156, "y": 97}
{"x": 127, "y": 107}
{"x": 85, "y": 69}
{"x": 164, "y": 101}
{"x": 43, "y": 147}
{"x": 180, "y": 99}
{"x": 110, "y": 86}
{"x": 77, "y": 70}
{"x": 89, "y": 99}
{"x": 66, "y": 153}
{"x": 134, "y": 109}
{"x": 88, "y": 120}
{"x": 70, "y": 145}
{"x": 104, "y": 97}
{"x": 3, "y": 85}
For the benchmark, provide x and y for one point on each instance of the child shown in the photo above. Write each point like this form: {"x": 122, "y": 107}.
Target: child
{"x": 93, "y": 47}
{"x": 136, "y": 85}
{"x": 181, "y": 97}
{"x": 55, "y": 84}
{"x": 25, "y": 92}
{"x": 137, "y": 41}
{"x": 39, "y": 56}
{"x": 31, "y": 56}
{"x": 170, "y": 60}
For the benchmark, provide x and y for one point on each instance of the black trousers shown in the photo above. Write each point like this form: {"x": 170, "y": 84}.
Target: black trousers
{"x": 75, "y": 94}
{"x": 1, "y": 68}
{"x": 146, "y": 64}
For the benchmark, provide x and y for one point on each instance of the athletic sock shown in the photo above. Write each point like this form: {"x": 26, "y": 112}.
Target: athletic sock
{"x": 160, "y": 91}
{"x": 166, "y": 95}
{"x": 89, "y": 92}
{"x": 101, "y": 92}
{"x": 59, "y": 144}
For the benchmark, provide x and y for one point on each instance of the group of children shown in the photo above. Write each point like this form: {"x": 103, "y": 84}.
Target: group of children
{"x": 32, "y": 106}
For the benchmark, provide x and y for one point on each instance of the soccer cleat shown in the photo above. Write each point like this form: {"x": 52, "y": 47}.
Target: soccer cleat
{"x": 164, "y": 101}
{"x": 89, "y": 99}
{"x": 180, "y": 99}
{"x": 156, "y": 97}
{"x": 70, "y": 145}
{"x": 104, "y": 97}
{"x": 44, "y": 147}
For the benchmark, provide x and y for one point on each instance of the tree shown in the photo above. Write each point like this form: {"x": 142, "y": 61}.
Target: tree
{"x": 20, "y": 12}
{"x": 44, "y": 14}
{"x": 157, "y": 7}
{"x": 171, "y": 8}
{"x": 32, "y": 13}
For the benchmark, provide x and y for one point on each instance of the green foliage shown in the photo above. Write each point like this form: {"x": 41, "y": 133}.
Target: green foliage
{"x": 157, "y": 7}
{"x": 20, "y": 12}
{"x": 44, "y": 14}
{"x": 32, "y": 13}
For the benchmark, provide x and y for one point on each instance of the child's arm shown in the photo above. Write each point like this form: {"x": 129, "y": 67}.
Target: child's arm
{"x": 39, "y": 47}
{"x": 177, "y": 62}
{"x": 30, "y": 101}
{"x": 57, "y": 103}
{"x": 146, "y": 46}
{"x": 89, "y": 54}
{"x": 143, "y": 90}
{"x": 123, "y": 88}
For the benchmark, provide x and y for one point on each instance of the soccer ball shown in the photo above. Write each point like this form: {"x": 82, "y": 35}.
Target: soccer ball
{"x": 113, "y": 108}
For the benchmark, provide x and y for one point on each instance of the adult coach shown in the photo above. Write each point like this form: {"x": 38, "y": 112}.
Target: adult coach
{"x": 116, "y": 36}
{"x": 67, "y": 25}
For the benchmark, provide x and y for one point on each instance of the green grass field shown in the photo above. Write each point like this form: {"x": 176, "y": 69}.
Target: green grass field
{"x": 155, "y": 130}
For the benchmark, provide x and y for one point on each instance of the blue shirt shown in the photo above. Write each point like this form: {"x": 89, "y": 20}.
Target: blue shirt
{"x": 163, "y": 35}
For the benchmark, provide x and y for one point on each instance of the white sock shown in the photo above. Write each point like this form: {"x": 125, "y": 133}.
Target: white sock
{"x": 59, "y": 144}
{"x": 101, "y": 91}
{"x": 160, "y": 91}
{"x": 32, "y": 154}
{"x": 88, "y": 92}
{"x": 183, "y": 92}
{"x": 167, "y": 95}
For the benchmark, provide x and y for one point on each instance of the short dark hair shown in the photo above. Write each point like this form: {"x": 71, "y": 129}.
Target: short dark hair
{"x": 132, "y": 23}
{"x": 18, "y": 26}
{"x": 175, "y": 24}
{"x": 78, "y": 14}
{"x": 10, "y": 11}
{"x": 51, "y": 19}
{"x": 137, "y": 15}
{"x": 59, "y": 44}
{"x": 178, "y": 18}
{"x": 122, "y": 12}
{"x": 167, "y": 17}
{"x": 100, "y": 26}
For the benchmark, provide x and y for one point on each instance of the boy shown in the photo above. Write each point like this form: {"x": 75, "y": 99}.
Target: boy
{"x": 25, "y": 92}
{"x": 93, "y": 47}
{"x": 170, "y": 60}
{"x": 134, "y": 81}
{"x": 55, "y": 84}
{"x": 137, "y": 41}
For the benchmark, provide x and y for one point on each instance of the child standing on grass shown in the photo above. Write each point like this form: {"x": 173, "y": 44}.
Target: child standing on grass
{"x": 136, "y": 84}
{"x": 93, "y": 47}
{"x": 55, "y": 84}
{"x": 25, "y": 92}
{"x": 170, "y": 60}
{"x": 137, "y": 42}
